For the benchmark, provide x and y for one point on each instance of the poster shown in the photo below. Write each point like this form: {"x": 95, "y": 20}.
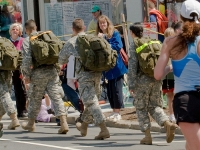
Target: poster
{"x": 60, "y": 16}
{"x": 148, "y": 28}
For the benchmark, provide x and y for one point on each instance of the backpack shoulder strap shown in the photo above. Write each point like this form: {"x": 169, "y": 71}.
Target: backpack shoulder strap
{"x": 140, "y": 48}
{"x": 36, "y": 36}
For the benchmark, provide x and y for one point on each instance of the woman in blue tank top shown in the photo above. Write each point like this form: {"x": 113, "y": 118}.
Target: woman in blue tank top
{"x": 184, "y": 50}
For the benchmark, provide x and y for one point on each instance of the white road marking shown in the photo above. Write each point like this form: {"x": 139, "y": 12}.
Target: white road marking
{"x": 38, "y": 144}
{"x": 162, "y": 142}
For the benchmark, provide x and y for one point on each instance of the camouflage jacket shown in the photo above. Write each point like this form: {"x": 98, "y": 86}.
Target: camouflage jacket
{"x": 70, "y": 48}
{"x": 27, "y": 61}
{"x": 132, "y": 67}
{"x": 135, "y": 76}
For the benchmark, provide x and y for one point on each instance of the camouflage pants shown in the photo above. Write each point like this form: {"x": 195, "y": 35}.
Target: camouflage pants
{"x": 148, "y": 101}
{"x": 90, "y": 91}
{"x": 45, "y": 80}
{"x": 6, "y": 103}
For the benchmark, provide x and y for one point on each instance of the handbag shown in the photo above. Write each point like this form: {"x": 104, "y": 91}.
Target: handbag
{"x": 124, "y": 57}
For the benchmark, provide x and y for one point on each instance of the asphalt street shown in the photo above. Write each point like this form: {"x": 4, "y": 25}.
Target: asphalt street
{"x": 46, "y": 138}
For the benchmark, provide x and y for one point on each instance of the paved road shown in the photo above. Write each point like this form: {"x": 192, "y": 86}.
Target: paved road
{"x": 45, "y": 138}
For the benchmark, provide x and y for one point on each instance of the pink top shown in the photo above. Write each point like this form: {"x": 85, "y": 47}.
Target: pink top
{"x": 18, "y": 43}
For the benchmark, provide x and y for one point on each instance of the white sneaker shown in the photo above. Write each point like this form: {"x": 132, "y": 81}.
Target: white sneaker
{"x": 172, "y": 118}
{"x": 111, "y": 116}
{"x": 117, "y": 117}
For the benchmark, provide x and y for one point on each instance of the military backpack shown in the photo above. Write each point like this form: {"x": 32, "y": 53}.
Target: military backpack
{"x": 147, "y": 51}
{"x": 96, "y": 53}
{"x": 9, "y": 55}
{"x": 45, "y": 48}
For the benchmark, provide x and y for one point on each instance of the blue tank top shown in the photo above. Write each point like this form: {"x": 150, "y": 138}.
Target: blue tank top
{"x": 187, "y": 70}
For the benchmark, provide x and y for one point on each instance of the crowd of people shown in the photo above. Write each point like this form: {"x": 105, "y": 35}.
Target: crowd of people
{"x": 176, "y": 75}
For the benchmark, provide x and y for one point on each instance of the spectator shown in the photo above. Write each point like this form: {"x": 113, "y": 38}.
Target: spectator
{"x": 159, "y": 18}
{"x": 20, "y": 92}
{"x": 18, "y": 5}
{"x": 147, "y": 95}
{"x": 168, "y": 82}
{"x": 5, "y": 22}
{"x": 44, "y": 115}
{"x": 114, "y": 76}
{"x": 184, "y": 51}
{"x": 96, "y": 12}
{"x": 16, "y": 16}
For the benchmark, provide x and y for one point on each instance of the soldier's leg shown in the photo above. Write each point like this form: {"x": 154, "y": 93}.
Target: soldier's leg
{"x": 158, "y": 114}
{"x": 92, "y": 108}
{"x": 56, "y": 93}
{"x": 2, "y": 110}
{"x": 141, "y": 103}
{"x": 6, "y": 101}
{"x": 90, "y": 101}
{"x": 10, "y": 110}
{"x": 36, "y": 92}
{"x": 155, "y": 104}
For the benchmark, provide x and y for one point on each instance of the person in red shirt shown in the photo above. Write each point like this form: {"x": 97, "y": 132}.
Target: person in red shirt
{"x": 16, "y": 16}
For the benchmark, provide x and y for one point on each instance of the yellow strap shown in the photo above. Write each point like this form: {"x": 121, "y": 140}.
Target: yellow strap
{"x": 36, "y": 36}
{"x": 139, "y": 49}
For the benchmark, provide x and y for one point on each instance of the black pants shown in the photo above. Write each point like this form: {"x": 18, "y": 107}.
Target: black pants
{"x": 20, "y": 93}
{"x": 115, "y": 92}
{"x": 186, "y": 107}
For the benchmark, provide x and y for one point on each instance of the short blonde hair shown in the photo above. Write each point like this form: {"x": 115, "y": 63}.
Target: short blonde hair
{"x": 169, "y": 32}
{"x": 19, "y": 25}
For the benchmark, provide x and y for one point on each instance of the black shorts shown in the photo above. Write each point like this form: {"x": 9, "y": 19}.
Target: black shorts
{"x": 168, "y": 84}
{"x": 186, "y": 107}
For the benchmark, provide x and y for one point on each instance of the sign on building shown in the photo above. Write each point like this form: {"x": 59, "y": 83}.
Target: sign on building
{"x": 150, "y": 30}
{"x": 59, "y": 16}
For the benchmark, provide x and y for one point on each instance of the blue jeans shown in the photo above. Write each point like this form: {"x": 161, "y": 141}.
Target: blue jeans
{"x": 71, "y": 95}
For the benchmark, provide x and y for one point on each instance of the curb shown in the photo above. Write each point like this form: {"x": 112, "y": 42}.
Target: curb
{"x": 124, "y": 124}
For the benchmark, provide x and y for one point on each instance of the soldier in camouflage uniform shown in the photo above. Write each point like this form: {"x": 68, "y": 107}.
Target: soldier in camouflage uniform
{"x": 42, "y": 78}
{"x": 147, "y": 95}
{"x": 6, "y": 103}
{"x": 89, "y": 84}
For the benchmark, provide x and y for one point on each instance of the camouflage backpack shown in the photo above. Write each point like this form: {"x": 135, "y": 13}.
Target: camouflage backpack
{"x": 45, "y": 48}
{"x": 8, "y": 55}
{"x": 148, "y": 51}
{"x": 96, "y": 53}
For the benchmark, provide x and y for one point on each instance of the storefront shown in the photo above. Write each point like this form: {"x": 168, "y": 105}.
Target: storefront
{"x": 57, "y": 15}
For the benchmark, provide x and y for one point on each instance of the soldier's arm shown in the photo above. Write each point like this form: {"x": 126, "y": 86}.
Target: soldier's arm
{"x": 132, "y": 67}
{"x": 27, "y": 59}
{"x": 25, "y": 46}
{"x": 67, "y": 50}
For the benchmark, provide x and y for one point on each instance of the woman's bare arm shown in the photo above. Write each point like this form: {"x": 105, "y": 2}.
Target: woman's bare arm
{"x": 161, "y": 68}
